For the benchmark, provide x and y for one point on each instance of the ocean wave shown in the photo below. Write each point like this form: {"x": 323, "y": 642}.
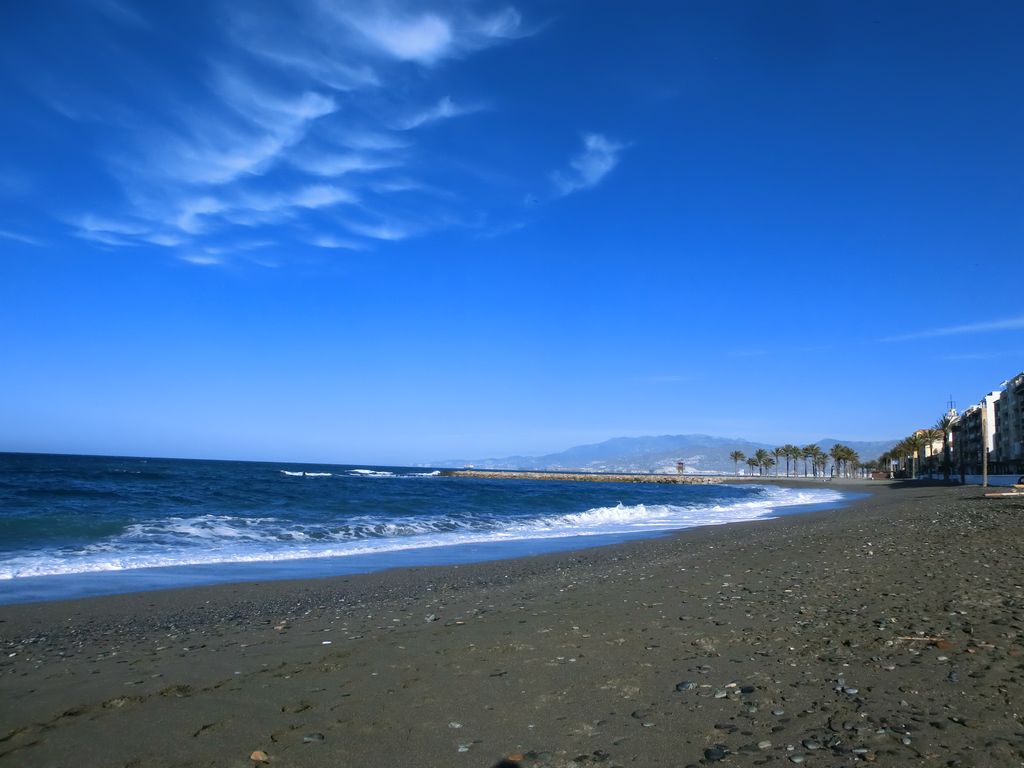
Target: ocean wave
{"x": 223, "y": 539}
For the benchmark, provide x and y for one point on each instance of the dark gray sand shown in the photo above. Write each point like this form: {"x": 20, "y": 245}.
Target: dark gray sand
{"x": 887, "y": 632}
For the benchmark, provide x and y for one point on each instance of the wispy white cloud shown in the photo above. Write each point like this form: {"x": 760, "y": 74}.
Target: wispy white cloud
{"x": 217, "y": 147}
{"x": 599, "y": 156}
{"x": 18, "y": 237}
{"x": 427, "y": 37}
{"x": 165, "y": 240}
{"x": 103, "y": 238}
{"x": 442, "y": 110}
{"x": 379, "y": 141}
{"x": 1008, "y": 324}
{"x": 92, "y": 223}
{"x": 328, "y": 164}
{"x": 334, "y": 242}
{"x": 423, "y": 38}
{"x": 197, "y": 215}
{"x": 201, "y": 259}
{"x": 320, "y": 91}
{"x": 384, "y": 230}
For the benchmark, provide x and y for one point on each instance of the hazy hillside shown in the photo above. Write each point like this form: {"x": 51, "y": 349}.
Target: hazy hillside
{"x": 701, "y": 453}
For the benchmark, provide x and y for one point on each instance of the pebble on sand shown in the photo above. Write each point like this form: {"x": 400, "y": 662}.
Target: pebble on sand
{"x": 259, "y": 756}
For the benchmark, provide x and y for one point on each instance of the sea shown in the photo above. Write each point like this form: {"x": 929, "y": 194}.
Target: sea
{"x": 77, "y": 526}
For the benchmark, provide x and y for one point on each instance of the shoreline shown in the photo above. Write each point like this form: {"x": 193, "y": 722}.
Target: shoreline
{"x": 464, "y": 549}
{"x": 564, "y": 659}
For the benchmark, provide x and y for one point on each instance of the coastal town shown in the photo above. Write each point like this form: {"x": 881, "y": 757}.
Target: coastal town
{"x": 983, "y": 443}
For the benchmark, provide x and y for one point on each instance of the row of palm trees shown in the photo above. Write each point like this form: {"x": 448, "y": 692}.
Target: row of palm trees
{"x": 909, "y": 451}
{"x": 844, "y": 460}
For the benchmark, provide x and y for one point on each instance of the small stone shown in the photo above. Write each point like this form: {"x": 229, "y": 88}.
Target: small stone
{"x": 778, "y": 712}
{"x": 454, "y": 724}
{"x": 811, "y": 744}
{"x": 764, "y": 744}
{"x": 714, "y": 754}
{"x": 312, "y": 738}
{"x": 796, "y": 758}
{"x": 259, "y": 756}
{"x": 747, "y": 689}
{"x": 850, "y": 691}
{"x": 464, "y": 747}
{"x": 906, "y": 741}
{"x": 516, "y": 757}
{"x": 430, "y": 617}
{"x": 686, "y": 685}
{"x": 720, "y": 694}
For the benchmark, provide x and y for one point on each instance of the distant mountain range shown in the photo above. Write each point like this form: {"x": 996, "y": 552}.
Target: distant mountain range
{"x": 700, "y": 453}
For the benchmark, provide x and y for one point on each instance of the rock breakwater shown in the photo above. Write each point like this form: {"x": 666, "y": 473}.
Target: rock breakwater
{"x": 586, "y": 477}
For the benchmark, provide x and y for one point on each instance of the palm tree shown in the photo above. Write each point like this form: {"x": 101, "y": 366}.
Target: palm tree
{"x": 752, "y": 462}
{"x": 915, "y": 445}
{"x": 820, "y": 460}
{"x": 737, "y": 457}
{"x": 808, "y": 452}
{"x": 946, "y": 425}
{"x": 792, "y": 453}
{"x": 761, "y": 457}
{"x": 931, "y": 436}
{"x": 836, "y": 452}
{"x": 778, "y": 453}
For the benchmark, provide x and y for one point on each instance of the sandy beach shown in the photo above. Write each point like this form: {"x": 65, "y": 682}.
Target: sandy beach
{"x": 885, "y": 632}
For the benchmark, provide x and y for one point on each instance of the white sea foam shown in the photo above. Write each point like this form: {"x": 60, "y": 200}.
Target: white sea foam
{"x": 306, "y": 474}
{"x": 220, "y": 539}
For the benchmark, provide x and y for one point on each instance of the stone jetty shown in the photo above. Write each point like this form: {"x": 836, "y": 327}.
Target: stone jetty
{"x": 586, "y": 477}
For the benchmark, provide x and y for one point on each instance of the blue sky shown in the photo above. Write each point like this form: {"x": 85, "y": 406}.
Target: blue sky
{"x": 396, "y": 232}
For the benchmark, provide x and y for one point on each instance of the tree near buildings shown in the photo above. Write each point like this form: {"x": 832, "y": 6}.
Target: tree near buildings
{"x": 946, "y": 425}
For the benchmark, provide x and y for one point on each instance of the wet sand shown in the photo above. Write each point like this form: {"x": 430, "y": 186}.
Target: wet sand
{"x": 887, "y": 632}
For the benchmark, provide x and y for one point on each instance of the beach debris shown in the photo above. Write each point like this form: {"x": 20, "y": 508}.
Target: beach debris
{"x": 259, "y": 756}
{"x": 430, "y": 617}
{"x": 454, "y": 724}
{"x": 313, "y": 738}
{"x": 465, "y": 747}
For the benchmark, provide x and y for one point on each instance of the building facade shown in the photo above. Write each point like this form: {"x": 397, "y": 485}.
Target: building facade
{"x": 1009, "y": 427}
{"x": 969, "y": 444}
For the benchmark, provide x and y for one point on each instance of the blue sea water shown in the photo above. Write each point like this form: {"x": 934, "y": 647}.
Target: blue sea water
{"x": 72, "y": 526}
